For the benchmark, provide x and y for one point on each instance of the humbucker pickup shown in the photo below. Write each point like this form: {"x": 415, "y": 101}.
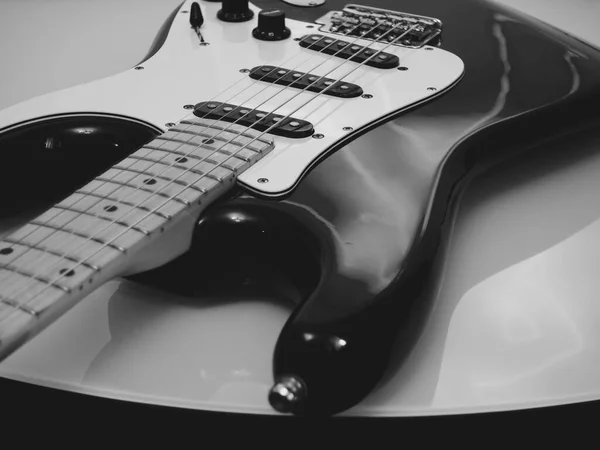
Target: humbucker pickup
{"x": 306, "y": 81}
{"x": 276, "y": 124}
{"x": 353, "y": 52}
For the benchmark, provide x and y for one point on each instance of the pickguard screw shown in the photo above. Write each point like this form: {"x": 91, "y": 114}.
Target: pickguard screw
{"x": 402, "y": 68}
{"x": 367, "y": 96}
{"x": 309, "y": 26}
{"x": 263, "y": 180}
{"x": 297, "y": 39}
{"x": 184, "y": 12}
{"x": 169, "y": 124}
{"x": 318, "y": 136}
{"x": 244, "y": 70}
{"x": 139, "y": 68}
{"x": 347, "y": 128}
{"x": 429, "y": 48}
{"x": 188, "y": 106}
{"x": 431, "y": 89}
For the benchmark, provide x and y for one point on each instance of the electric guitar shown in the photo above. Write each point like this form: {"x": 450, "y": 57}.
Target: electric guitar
{"x": 240, "y": 167}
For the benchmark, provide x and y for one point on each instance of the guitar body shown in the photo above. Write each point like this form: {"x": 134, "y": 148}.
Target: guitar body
{"x": 356, "y": 235}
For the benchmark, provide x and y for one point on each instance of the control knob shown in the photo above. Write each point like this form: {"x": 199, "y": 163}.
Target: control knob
{"x": 235, "y": 11}
{"x": 271, "y": 26}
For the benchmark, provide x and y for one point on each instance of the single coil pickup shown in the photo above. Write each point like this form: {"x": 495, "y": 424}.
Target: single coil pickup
{"x": 352, "y": 52}
{"x": 276, "y": 124}
{"x": 306, "y": 81}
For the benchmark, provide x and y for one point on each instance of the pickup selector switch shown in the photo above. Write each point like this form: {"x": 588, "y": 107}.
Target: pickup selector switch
{"x": 235, "y": 11}
{"x": 271, "y": 26}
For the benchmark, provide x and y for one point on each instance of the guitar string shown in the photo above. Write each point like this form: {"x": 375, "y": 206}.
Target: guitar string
{"x": 258, "y": 137}
{"x": 203, "y": 117}
{"x": 24, "y": 304}
{"x": 216, "y": 121}
{"x": 159, "y": 161}
{"x": 79, "y": 214}
{"x": 168, "y": 155}
{"x": 130, "y": 227}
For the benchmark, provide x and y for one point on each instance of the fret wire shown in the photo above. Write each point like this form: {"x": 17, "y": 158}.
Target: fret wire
{"x": 191, "y": 155}
{"x": 133, "y": 186}
{"x": 14, "y": 304}
{"x": 196, "y": 157}
{"x": 33, "y": 276}
{"x": 216, "y": 127}
{"x": 105, "y": 218}
{"x": 123, "y": 202}
{"x": 141, "y": 172}
{"x": 52, "y": 252}
{"x": 81, "y": 235}
{"x": 208, "y": 137}
{"x": 263, "y": 132}
{"x": 160, "y": 163}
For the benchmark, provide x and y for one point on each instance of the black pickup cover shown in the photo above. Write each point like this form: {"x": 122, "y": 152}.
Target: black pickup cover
{"x": 310, "y": 82}
{"x": 254, "y": 118}
{"x": 352, "y": 52}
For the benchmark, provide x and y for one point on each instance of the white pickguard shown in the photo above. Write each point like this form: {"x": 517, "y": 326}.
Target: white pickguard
{"x": 183, "y": 72}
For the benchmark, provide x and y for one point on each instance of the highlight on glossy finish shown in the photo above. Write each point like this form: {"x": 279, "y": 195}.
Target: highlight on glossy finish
{"x": 287, "y": 395}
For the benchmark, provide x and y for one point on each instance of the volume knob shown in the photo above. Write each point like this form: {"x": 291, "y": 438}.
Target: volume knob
{"x": 271, "y": 26}
{"x": 235, "y": 11}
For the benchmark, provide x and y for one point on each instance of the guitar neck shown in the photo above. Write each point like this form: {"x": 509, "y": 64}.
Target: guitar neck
{"x": 97, "y": 233}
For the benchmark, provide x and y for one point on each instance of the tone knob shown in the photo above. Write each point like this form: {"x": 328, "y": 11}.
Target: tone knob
{"x": 271, "y": 26}
{"x": 235, "y": 11}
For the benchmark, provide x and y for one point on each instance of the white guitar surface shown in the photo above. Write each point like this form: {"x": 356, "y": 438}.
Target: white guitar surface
{"x": 514, "y": 322}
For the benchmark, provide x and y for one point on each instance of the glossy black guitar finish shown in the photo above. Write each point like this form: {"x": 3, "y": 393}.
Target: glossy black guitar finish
{"x": 361, "y": 233}
{"x": 386, "y": 207}
{"x": 524, "y": 83}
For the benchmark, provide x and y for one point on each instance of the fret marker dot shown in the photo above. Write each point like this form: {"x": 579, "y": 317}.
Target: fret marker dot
{"x": 110, "y": 208}
{"x": 181, "y": 159}
{"x": 149, "y": 181}
{"x": 66, "y": 272}
{"x": 6, "y": 251}
{"x": 208, "y": 141}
